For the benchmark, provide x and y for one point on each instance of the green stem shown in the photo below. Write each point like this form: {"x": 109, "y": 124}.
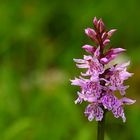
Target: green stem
{"x": 101, "y": 125}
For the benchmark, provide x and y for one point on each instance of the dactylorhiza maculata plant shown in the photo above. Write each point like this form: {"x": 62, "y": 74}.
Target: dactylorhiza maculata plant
{"x": 101, "y": 80}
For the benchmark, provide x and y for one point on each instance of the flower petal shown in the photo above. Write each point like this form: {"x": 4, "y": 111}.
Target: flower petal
{"x": 127, "y": 101}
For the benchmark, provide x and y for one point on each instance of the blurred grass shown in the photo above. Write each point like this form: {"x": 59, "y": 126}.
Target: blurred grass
{"x": 38, "y": 40}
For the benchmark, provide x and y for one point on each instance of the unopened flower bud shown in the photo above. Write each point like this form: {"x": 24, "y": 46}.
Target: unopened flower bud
{"x": 89, "y": 48}
{"x": 101, "y": 26}
{"x": 106, "y": 42}
{"x": 110, "y": 33}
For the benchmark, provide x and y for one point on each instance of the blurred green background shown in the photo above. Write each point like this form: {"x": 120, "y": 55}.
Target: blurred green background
{"x": 38, "y": 40}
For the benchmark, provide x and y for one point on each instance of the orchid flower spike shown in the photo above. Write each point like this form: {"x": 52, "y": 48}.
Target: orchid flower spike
{"x": 99, "y": 83}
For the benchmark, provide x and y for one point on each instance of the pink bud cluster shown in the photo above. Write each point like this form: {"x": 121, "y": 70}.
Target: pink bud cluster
{"x": 98, "y": 84}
